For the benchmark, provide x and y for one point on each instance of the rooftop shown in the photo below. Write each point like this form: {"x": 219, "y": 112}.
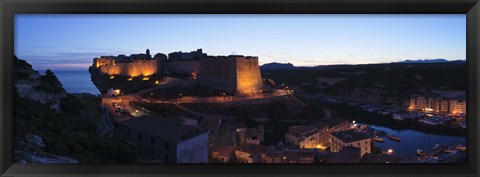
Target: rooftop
{"x": 210, "y": 123}
{"x": 252, "y": 148}
{"x": 306, "y": 130}
{"x": 225, "y": 150}
{"x": 346, "y": 155}
{"x": 162, "y": 129}
{"x": 350, "y": 136}
{"x": 380, "y": 158}
{"x": 335, "y": 121}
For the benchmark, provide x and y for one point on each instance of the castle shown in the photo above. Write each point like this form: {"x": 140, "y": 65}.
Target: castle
{"x": 234, "y": 74}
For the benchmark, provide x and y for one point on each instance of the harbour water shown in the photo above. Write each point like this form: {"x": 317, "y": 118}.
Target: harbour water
{"x": 411, "y": 140}
{"x": 76, "y": 81}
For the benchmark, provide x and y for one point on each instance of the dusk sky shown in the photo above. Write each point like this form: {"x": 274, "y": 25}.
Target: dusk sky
{"x": 72, "y": 41}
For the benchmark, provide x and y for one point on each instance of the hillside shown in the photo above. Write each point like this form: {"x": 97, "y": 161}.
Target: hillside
{"x": 374, "y": 82}
{"x": 53, "y": 126}
{"x": 277, "y": 66}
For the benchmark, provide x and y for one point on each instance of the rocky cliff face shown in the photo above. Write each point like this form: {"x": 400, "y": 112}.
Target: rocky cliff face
{"x": 31, "y": 84}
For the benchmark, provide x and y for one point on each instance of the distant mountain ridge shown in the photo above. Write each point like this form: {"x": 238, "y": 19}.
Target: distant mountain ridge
{"x": 276, "y": 65}
{"x": 438, "y": 60}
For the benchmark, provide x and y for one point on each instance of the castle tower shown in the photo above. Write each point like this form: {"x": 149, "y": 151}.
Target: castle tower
{"x": 147, "y": 52}
{"x": 235, "y": 73}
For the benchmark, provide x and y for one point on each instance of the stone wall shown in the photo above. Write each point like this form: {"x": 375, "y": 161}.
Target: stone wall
{"x": 133, "y": 69}
{"x": 233, "y": 74}
{"x": 218, "y": 73}
{"x": 249, "y": 79}
{"x": 181, "y": 67}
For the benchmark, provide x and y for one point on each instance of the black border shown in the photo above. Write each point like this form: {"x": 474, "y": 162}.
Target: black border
{"x": 10, "y": 7}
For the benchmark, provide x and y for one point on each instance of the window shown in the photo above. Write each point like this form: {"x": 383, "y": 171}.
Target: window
{"x": 366, "y": 148}
{"x": 366, "y": 142}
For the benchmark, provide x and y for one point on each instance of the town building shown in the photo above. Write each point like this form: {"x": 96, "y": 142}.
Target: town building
{"x": 238, "y": 133}
{"x": 351, "y": 138}
{"x": 224, "y": 154}
{"x": 212, "y": 124}
{"x": 437, "y": 104}
{"x": 166, "y": 141}
{"x": 337, "y": 125}
{"x": 347, "y": 154}
{"x": 380, "y": 158}
{"x": 251, "y": 153}
{"x": 315, "y": 135}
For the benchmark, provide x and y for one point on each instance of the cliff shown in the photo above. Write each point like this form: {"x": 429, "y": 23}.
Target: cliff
{"x": 52, "y": 126}
{"x": 31, "y": 84}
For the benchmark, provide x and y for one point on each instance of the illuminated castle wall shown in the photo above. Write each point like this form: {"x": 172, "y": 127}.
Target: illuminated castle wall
{"x": 181, "y": 67}
{"x": 137, "y": 67}
{"x": 233, "y": 73}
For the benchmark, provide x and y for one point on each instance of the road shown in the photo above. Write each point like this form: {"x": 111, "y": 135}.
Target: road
{"x": 132, "y": 112}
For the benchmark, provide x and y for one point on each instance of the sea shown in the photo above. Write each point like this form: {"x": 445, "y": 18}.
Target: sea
{"x": 75, "y": 81}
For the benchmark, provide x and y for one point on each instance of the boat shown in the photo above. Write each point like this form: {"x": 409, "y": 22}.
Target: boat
{"x": 393, "y": 137}
{"x": 449, "y": 150}
{"x": 378, "y": 139}
{"x": 461, "y": 147}
{"x": 420, "y": 152}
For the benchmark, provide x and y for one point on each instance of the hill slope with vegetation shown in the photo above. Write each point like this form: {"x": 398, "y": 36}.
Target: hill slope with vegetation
{"x": 57, "y": 127}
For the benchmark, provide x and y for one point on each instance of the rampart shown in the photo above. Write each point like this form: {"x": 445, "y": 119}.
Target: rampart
{"x": 234, "y": 73}
{"x": 136, "y": 67}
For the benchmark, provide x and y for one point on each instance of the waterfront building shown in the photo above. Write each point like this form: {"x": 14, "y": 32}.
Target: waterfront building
{"x": 337, "y": 125}
{"x": 166, "y": 141}
{"x": 351, "y": 138}
{"x": 438, "y": 105}
{"x": 315, "y": 135}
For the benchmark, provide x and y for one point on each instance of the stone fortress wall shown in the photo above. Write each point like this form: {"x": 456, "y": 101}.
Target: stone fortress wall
{"x": 218, "y": 73}
{"x": 234, "y": 73}
{"x": 249, "y": 79}
{"x": 186, "y": 67}
{"x": 137, "y": 67}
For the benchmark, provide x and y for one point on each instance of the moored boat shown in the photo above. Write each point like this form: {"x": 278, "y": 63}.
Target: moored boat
{"x": 420, "y": 152}
{"x": 378, "y": 139}
{"x": 393, "y": 137}
{"x": 461, "y": 147}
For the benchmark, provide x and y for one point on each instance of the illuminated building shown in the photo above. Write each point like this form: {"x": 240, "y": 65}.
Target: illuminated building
{"x": 438, "y": 105}
{"x": 308, "y": 136}
{"x": 351, "y": 138}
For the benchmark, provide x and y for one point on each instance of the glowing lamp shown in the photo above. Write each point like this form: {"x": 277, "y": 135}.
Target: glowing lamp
{"x": 129, "y": 79}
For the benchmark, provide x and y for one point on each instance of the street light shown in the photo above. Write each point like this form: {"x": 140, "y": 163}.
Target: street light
{"x": 390, "y": 151}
